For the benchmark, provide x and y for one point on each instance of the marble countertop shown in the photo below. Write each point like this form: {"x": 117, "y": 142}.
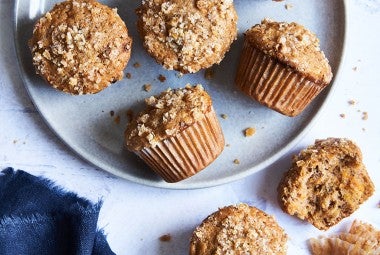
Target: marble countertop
{"x": 134, "y": 216}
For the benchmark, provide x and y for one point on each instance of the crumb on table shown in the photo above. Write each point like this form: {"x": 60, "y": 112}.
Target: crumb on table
{"x": 136, "y": 65}
{"x": 128, "y": 75}
{"x": 165, "y": 238}
{"x": 288, "y": 6}
{"x": 224, "y": 116}
{"x": 236, "y": 161}
{"x": 365, "y": 116}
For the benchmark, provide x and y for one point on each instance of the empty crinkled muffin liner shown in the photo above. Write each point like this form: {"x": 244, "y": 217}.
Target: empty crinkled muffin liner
{"x": 273, "y": 83}
{"x": 188, "y": 152}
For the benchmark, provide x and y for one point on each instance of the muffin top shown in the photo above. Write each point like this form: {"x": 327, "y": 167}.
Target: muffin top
{"x": 187, "y": 35}
{"x": 80, "y": 46}
{"x": 293, "y": 45}
{"x": 166, "y": 115}
{"x": 239, "y": 229}
{"x": 326, "y": 183}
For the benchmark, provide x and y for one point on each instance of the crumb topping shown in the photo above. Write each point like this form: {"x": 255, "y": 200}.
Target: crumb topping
{"x": 166, "y": 115}
{"x": 80, "y": 46}
{"x": 187, "y": 35}
{"x": 239, "y": 229}
{"x": 293, "y": 45}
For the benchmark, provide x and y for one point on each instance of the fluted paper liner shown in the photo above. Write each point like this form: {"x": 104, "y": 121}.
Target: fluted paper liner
{"x": 185, "y": 154}
{"x": 274, "y": 84}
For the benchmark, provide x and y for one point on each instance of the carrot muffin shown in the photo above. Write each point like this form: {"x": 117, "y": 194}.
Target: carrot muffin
{"x": 282, "y": 66}
{"x": 326, "y": 183}
{"x": 178, "y": 134}
{"x": 187, "y": 35}
{"x": 80, "y": 46}
{"x": 239, "y": 229}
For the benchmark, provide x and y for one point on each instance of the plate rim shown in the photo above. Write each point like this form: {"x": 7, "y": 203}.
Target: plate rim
{"x": 199, "y": 184}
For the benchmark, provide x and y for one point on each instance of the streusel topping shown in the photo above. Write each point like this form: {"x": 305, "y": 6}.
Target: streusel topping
{"x": 239, "y": 229}
{"x": 80, "y": 46}
{"x": 294, "y": 45}
{"x": 166, "y": 115}
{"x": 187, "y": 35}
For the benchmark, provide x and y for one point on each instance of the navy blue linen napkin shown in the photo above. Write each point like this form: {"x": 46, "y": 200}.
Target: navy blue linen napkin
{"x": 37, "y": 217}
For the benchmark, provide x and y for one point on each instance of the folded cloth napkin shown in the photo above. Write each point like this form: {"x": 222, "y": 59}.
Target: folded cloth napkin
{"x": 37, "y": 217}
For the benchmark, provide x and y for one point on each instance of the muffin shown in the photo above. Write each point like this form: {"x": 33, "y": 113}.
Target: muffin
{"x": 239, "y": 229}
{"x": 281, "y": 66}
{"x": 187, "y": 35}
{"x": 80, "y": 46}
{"x": 178, "y": 134}
{"x": 361, "y": 239}
{"x": 326, "y": 183}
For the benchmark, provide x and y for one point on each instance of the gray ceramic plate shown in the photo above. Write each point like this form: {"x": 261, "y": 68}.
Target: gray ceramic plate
{"x": 85, "y": 124}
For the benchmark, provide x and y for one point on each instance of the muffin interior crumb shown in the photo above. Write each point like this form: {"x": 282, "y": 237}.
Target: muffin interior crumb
{"x": 326, "y": 183}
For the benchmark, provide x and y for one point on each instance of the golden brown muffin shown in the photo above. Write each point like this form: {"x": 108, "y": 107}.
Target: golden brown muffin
{"x": 282, "y": 66}
{"x": 239, "y": 229}
{"x": 80, "y": 46}
{"x": 362, "y": 239}
{"x": 187, "y": 35}
{"x": 178, "y": 134}
{"x": 326, "y": 183}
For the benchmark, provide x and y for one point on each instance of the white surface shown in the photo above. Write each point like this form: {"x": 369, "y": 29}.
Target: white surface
{"x": 135, "y": 216}
{"x": 84, "y": 122}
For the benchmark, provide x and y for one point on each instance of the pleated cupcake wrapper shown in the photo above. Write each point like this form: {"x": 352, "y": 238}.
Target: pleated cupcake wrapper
{"x": 185, "y": 154}
{"x": 274, "y": 84}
